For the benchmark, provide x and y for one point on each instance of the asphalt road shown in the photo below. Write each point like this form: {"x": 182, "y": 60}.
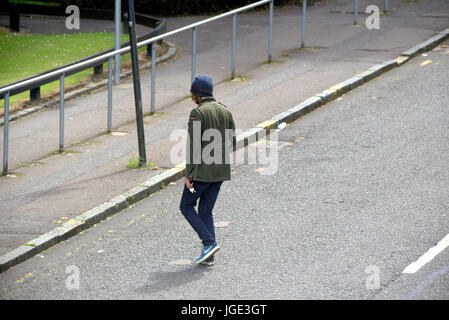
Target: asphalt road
{"x": 45, "y": 189}
{"x": 361, "y": 192}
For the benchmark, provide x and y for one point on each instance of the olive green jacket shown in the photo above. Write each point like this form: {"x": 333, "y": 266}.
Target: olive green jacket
{"x": 211, "y": 133}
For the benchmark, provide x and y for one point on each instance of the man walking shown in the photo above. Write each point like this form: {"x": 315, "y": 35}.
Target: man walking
{"x": 205, "y": 173}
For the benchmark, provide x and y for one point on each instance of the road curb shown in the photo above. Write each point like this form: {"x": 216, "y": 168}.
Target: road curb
{"x": 88, "y": 88}
{"x": 90, "y": 218}
{"x": 143, "y": 190}
{"x": 428, "y": 44}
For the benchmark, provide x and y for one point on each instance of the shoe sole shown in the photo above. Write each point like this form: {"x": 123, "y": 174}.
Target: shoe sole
{"x": 207, "y": 256}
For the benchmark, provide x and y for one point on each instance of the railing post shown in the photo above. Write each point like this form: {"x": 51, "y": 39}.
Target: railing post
{"x": 98, "y": 71}
{"x": 303, "y": 27}
{"x": 136, "y": 84}
{"x": 6, "y": 135}
{"x": 193, "y": 54}
{"x": 153, "y": 76}
{"x": 118, "y": 7}
{"x": 110, "y": 95}
{"x": 14, "y": 17}
{"x": 234, "y": 31}
{"x": 386, "y": 6}
{"x": 356, "y": 11}
{"x": 150, "y": 49}
{"x": 61, "y": 113}
{"x": 270, "y": 33}
{"x": 35, "y": 94}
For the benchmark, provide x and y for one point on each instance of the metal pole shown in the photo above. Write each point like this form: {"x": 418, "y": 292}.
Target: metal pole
{"x": 386, "y": 6}
{"x": 6, "y": 135}
{"x": 193, "y": 54}
{"x": 234, "y": 31}
{"x": 153, "y": 77}
{"x": 270, "y": 34}
{"x": 61, "y": 113}
{"x": 110, "y": 95}
{"x": 356, "y": 11}
{"x": 117, "y": 40}
{"x": 303, "y": 28}
{"x": 136, "y": 82}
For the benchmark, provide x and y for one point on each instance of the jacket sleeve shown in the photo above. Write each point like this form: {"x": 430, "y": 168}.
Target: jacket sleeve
{"x": 190, "y": 165}
{"x": 232, "y": 126}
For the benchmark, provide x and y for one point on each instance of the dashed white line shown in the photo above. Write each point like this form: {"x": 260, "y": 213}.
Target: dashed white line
{"x": 428, "y": 256}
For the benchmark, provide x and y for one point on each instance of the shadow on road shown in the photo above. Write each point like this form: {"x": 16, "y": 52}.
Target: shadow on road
{"x": 164, "y": 281}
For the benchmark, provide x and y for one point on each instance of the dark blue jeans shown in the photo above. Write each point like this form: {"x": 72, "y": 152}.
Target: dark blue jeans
{"x": 203, "y": 221}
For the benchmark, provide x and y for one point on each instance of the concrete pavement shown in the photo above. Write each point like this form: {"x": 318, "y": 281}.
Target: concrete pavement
{"x": 47, "y": 190}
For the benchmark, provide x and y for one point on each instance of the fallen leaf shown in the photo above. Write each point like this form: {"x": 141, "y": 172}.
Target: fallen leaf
{"x": 119, "y": 133}
{"x": 24, "y": 277}
{"x": 222, "y": 224}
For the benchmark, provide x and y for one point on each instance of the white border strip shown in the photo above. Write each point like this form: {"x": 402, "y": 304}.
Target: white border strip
{"x": 428, "y": 256}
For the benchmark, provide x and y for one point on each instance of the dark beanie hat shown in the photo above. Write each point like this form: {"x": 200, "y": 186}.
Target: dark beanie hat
{"x": 202, "y": 86}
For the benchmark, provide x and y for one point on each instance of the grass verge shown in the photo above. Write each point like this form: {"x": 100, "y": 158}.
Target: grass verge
{"x": 23, "y": 55}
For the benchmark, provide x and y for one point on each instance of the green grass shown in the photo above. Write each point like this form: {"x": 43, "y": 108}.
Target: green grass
{"x": 237, "y": 79}
{"x": 23, "y": 55}
{"x": 135, "y": 163}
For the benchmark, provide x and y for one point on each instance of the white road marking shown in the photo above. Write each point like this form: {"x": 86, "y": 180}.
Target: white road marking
{"x": 428, "y": 256}
{"x": 427, "y": 281}
{"x": 425, "y": 63}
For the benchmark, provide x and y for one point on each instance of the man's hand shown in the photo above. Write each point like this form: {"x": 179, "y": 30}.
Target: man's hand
{"x": 189, "y": 183}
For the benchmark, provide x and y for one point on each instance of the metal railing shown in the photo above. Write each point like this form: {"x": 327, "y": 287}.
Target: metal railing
{"x": 159, "y": 26}
{"x": 61, "y": 73}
